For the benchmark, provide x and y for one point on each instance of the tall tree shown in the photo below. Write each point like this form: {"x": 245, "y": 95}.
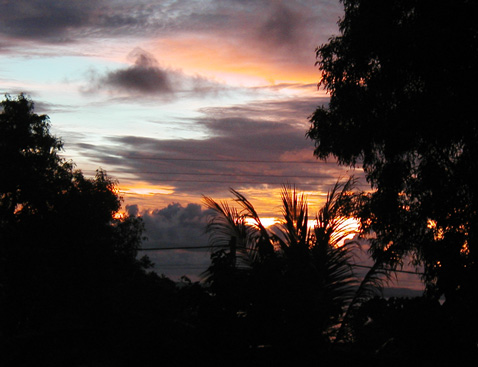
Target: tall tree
{"x": 63, "y": 255}
{"x": 402, "y": 81}
{"x": 29, "y": 159}
{"x": 292, "y": 283}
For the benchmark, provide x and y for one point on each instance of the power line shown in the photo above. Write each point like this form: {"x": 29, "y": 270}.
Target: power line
{"x": 180, "y": 266}
{"x": 394, "y": 270}
{"x": 316, "y": 177}
{"x": 251, "y": 249}
{"x": 226, "y": 160}
{"x": 229, "y": 160}
{"x": 180, "y": 248}
{"x": 319, "y": 176}
{"x": 227, "y": 174}
{"x": 246, "y": 182}
{"x": 234, "y": 181}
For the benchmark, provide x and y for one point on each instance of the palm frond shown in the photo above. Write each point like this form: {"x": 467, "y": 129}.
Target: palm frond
{"x": 317, "y": 261}
{"x": 332, "y": 220}
{"x": 262, "y": 242}
{"x": 225, "y": 223}
{"x": 295, "y": 229}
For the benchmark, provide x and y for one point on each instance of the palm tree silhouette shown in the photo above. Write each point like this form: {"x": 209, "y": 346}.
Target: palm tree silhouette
{"x": 305, "y": 271}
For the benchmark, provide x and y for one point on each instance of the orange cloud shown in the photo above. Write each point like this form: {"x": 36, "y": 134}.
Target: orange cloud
{"x": 145, "y": 189}
{"x": 227, "y": 62}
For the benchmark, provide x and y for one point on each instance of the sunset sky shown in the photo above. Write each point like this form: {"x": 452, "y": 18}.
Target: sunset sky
{"x": 177, "y": 99}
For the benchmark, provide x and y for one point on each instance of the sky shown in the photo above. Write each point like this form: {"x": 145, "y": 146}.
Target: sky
{"x": 178, "y": 99}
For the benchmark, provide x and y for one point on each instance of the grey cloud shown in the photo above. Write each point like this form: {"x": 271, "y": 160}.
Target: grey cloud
{"x": 143, "y": 59}
{"x": 282, "y": 25}
{"x": 127, "y": 18}
{"x": 141, "y": 79}
{"x": 49, "y": 20}
{"x": 132, "y": 210}
{"x": 292, "y": 29}
{"x": 211, "y": 165}
{"x": 72, "y": 20}
{"x": 177, "y": 226}
{"x": 279, "y": 86}
{"x": 290, "y": 111}
{"x": 275, "y": 23}
{"x": 284, "y": 31}
{"x": 279, "y": 31}
{"x": 147, "y": 77}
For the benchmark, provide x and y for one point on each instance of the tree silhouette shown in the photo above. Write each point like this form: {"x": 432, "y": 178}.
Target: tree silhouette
{"x": 403, "y": 107}
{"x": 288, "y": 285}
{"x": 67, "y": 265}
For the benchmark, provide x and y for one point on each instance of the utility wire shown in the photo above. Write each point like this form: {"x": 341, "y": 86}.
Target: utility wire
{"x": 180, "y": 248}
{"x": 225, "y": 160}
{"x": 228, "y": 174}
{"x": 394, "y": 270}
{"x": 251, "y": 249}
{"x": 319, "y": 176}
{"x": 242, "y": 182}
{"x": 236, "y": 182}
{"x": 316, "y": 162}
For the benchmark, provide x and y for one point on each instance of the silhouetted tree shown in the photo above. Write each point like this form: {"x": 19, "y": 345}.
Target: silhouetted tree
{"x": 289, "y": 285}
{"x": 402, "y": 80}
{"x": 66, "y": 263}
{"x": 414, "y": 331}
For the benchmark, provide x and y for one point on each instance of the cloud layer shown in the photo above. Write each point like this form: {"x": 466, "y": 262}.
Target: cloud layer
{"x": 47, "y": 20}
{"x": 261, "y": 144}
{"x": 214, "y": 94}
{"x": 172, "y": 227}
{"x": 144, "y": 76}
{"x": 280, "y": 30}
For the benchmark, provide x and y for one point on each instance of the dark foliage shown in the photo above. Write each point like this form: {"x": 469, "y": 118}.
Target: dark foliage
{"x": 283, "y": 290}
{"x": 402, "y": 78}
{"x": 72, "y": 291}
{"x": 402, "y": 331}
